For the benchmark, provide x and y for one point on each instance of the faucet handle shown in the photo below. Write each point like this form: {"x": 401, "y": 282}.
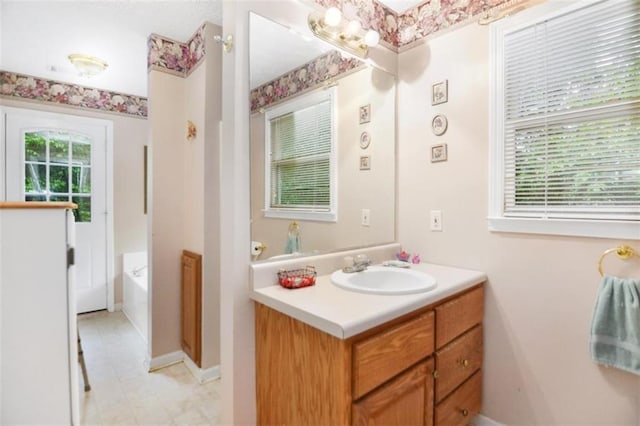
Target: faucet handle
{"x": 362, "y": 259}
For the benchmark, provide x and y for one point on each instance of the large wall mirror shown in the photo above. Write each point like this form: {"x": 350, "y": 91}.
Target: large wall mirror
{"x": 322, "y": 145}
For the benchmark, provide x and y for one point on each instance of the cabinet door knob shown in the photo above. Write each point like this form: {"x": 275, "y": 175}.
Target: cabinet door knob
{"x": 464, "y": 412}
{"x": 464, "y": 362}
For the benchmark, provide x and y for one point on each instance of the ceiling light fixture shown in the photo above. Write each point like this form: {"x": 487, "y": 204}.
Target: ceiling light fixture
{"x": 346, "y": 35}
{"x": 87, "y": 65}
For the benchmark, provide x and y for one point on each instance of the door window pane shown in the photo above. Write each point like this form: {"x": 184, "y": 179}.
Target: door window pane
{"x": 60, "y": 198}
{"x": 81, "y": 153}
{"x": 59, "y": 178}
{"x": 35, "y": 146}
{"x": 83, "y": 212}
{"x": 81, "y": 181}
{"x": 59, "y": 151}
{"x": 35, "y": 178}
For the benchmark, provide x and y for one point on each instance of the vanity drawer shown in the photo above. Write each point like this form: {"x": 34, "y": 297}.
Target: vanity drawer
{"x": 379, "y": 358}
{"x": 457, "y": 361}
{"x": 462, "y": 405}
{"x": 458, "y": 315}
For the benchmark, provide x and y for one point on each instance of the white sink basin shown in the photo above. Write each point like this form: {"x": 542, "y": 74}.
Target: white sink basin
{"x": 385, "y": 280}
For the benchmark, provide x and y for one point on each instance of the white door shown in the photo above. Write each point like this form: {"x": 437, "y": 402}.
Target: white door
{"x": 53, "y": 157}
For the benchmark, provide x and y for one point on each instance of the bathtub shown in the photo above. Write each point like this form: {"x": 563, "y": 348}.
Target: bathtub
{"x": 134, "y": 291}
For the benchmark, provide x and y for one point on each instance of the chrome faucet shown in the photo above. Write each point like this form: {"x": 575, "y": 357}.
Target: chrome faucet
{"x": 360, "y": 264}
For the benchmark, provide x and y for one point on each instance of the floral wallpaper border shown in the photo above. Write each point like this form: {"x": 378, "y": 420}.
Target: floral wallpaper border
{"x": 174, "y": 57}
{"x": 21, "y": 86}
{"x": 423, "y": 20}
{"x": 305, "y": 77}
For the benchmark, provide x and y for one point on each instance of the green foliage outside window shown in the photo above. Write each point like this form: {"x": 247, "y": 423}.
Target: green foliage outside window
{"x": 53, "y": 172}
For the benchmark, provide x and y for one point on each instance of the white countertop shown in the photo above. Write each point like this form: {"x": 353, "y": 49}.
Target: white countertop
{"x": 344, "y": 313}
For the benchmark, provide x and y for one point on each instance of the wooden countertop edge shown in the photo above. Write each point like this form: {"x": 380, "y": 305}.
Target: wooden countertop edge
{"x": 37, "y": 205}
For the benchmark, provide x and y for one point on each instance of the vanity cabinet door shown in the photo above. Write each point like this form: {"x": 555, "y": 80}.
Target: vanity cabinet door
{"x": 404, "y": 401}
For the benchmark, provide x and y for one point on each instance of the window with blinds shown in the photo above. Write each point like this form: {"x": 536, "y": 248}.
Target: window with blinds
{"x": 569, "y": 106}
{"x": 300, "y": 159}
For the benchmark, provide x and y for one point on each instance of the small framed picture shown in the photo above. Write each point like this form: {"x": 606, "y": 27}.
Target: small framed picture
{"x": 365, "y": 114}
{"x": 440, "y": 92}
{"x": 439, "y": 153}
{"x": 365, "y": 162}
{"x": 365, "y": 140}
{"x": 439, "y": 124}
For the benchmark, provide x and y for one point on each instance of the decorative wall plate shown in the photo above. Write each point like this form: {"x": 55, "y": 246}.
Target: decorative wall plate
{"x": 365, "y": 140}
{"x": 439, "y": 124}
{"x": 365, "y": 113}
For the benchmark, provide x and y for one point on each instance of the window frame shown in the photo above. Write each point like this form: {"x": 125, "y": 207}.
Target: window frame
{"x": 301, "y": 102}
{"x": 497, "y": 222}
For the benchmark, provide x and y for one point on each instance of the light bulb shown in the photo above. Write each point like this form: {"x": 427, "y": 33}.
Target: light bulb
{"x": 332, "y": 16}
{"x": 353, "y": 27}
{"x": 371, "y": 38}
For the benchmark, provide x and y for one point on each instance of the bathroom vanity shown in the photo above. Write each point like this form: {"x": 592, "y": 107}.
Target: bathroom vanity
{"x": 336, "y": 357}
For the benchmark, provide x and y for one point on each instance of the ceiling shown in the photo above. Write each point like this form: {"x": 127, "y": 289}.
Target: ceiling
{"x": 37, "y": 36}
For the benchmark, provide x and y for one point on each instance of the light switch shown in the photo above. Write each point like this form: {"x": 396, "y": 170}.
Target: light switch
{"x": 436, "y": 220}
{"x": 366, "y": 217}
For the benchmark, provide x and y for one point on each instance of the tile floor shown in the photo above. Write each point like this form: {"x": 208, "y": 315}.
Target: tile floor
{"x": 124, "y": 393}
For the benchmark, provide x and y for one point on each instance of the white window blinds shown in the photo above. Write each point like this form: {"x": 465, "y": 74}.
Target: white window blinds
{"x": 572, "y": 115}
{"x": 300, "y": 163}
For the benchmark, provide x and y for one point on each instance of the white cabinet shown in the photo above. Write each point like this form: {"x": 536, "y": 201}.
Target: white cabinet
{"x": 38, "y": 346}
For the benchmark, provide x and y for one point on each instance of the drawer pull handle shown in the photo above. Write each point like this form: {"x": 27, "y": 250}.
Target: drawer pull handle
{"x": 464, "y": 362}
{"x": 464, "y": 412}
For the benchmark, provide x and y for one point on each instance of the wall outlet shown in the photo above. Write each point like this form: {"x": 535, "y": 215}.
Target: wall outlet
{"x": 366, "y": 217}
{"x": 436, "y": 220}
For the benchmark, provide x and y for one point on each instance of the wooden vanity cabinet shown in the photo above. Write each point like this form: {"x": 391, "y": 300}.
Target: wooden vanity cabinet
{"x": 421, "y": 369}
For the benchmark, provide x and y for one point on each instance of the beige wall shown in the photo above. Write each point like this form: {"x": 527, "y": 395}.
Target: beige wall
{"x": 167, "y": 210}
{"x": 129, "y": 138}
{"x": 184, "y": 201}
{"x": 541, "y": 289}
{"x": 357, "y": 189}
{"x": 212, "y": 116}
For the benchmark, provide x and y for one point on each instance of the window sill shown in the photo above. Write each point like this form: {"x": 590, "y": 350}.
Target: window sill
{"x": 301, "y": 215}
{"x": 567, "y": 227}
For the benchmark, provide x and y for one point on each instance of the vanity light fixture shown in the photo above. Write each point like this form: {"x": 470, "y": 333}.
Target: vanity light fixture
{"x": 227, "y": 42}
{"x": 347, "y": 35}
{"x": 88, "y": 66}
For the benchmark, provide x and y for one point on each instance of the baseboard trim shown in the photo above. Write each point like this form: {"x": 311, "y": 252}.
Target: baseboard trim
{"x": 202, "y": 375}
{"x": 164, "y": 360}
{"x": 481, "y": 420}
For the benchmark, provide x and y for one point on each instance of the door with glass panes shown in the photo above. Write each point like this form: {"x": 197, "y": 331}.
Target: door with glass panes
{"x": 52, "y": 157}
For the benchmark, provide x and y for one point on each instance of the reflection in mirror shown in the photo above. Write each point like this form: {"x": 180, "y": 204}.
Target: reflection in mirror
{"x": 322, "y": 146}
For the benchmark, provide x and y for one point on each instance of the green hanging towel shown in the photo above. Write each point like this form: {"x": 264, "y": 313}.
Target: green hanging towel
{"x": 615, "y": 327}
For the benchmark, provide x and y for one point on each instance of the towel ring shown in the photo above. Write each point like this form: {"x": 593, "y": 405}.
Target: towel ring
{"x": 623, "y": 252}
